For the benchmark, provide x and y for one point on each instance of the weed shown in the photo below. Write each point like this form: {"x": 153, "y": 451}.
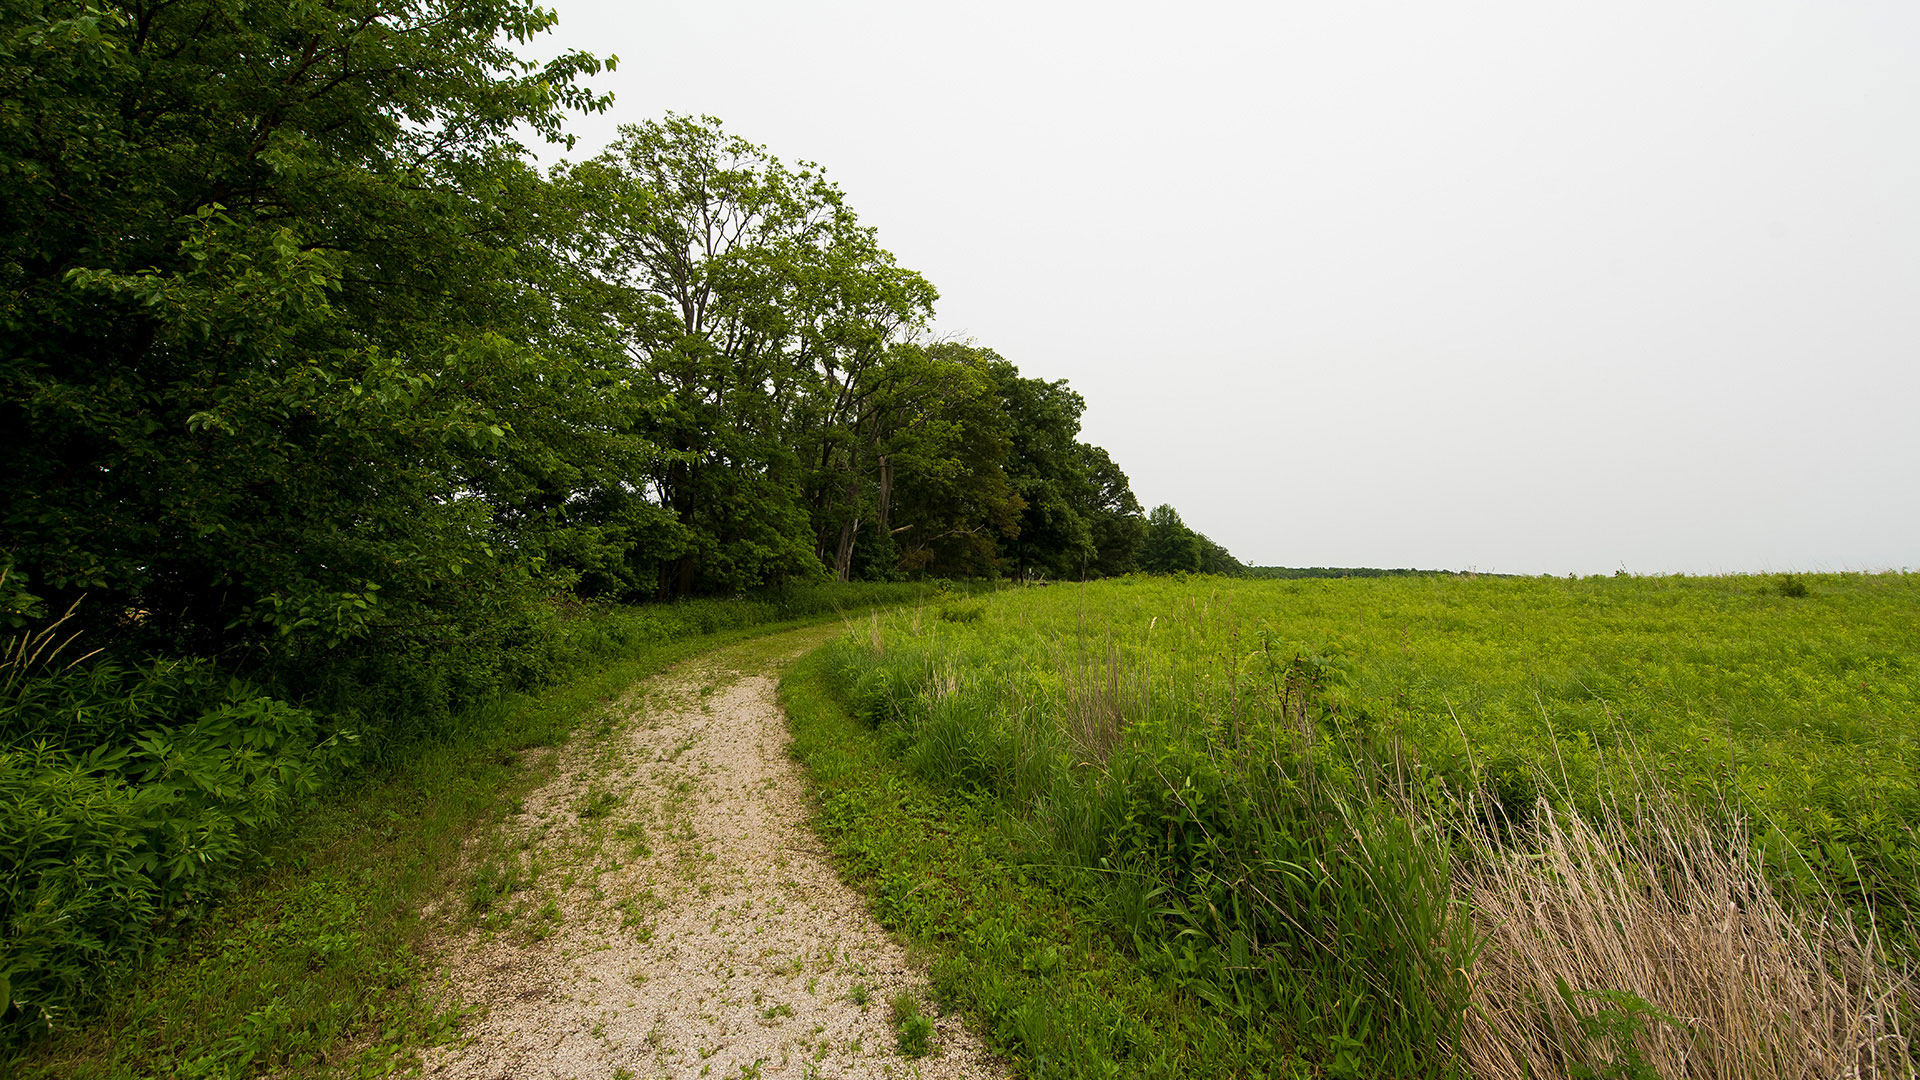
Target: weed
{"x": 492, "y": 883}
{"x": 912, "y": 1030}
{"x": 598, "y": 803}
{"x": 635, "y": 835}
{"x": 1614, "y": 1032}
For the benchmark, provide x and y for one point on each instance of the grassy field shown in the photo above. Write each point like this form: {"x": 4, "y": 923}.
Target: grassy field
{"x": 1436, "y": 825}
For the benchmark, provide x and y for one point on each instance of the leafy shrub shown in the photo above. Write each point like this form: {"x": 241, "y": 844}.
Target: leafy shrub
{"x": 116, "y": 821}
{"x": 962, "y": 611}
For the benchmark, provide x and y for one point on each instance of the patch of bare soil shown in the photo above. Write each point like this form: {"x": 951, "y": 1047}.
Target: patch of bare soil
{"x": 660, "y": 909}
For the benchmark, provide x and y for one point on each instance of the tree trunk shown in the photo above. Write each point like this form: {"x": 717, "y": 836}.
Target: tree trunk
{"x": 843, "y": 553}
{"x": 843, "y": 558}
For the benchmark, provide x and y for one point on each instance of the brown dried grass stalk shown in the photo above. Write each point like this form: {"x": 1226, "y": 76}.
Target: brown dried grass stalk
{"x": 1096, "y": 702}
{"x": 20, "y": 653}
{"x": 1658, "y": 901}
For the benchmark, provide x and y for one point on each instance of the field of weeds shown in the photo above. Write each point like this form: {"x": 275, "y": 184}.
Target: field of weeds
{"x": 1449, "y": 826}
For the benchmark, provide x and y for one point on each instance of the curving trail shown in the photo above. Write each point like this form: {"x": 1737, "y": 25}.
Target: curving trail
{"x": 660, "y": 909}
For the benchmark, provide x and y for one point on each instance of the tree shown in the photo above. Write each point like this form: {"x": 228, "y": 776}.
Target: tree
{"x": 279, "y": 359}
{"x": 753, "y": 306}
{"x": 1169, "y": 547}
{"x": 1043, "y": 419}
{"x": 1114, "y": 518}
{"x": 1215, "y": 559}
{"x": 944, "y": 501}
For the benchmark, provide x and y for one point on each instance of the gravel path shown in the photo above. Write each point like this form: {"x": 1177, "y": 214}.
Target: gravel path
{"x": 660, "y": 909}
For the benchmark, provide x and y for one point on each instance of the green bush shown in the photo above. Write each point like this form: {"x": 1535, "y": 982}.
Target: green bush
{"x": 114, "y": 821}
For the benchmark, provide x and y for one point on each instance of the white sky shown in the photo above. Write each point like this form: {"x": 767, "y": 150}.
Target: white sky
{"x": 1520, "y": 286}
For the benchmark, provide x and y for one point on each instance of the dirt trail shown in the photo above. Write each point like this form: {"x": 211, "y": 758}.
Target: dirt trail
{"x": 660, "y": 909}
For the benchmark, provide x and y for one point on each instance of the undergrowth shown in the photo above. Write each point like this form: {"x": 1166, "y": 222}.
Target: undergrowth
{"x": 297, "y": 951}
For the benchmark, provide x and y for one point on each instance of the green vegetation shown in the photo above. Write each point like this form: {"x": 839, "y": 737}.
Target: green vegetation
{"x": 314, "y": 963}
{"x": 1048, "y": 980}
{"x": 1293, "y": 809}
{"x": 1169, "y": 547}
{"x": 911, "y": 1028}
{"x": 120, "y": 824}
{"x": 325, "y": 415}
{"x": 1293, "y": 572}
{"x": 350, "y": 456}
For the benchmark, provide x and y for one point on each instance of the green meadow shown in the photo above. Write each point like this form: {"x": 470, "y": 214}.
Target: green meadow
{"x": 1301, "y": 807}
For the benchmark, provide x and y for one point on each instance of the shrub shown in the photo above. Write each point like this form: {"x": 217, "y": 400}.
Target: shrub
{"x": 104, "y": 838}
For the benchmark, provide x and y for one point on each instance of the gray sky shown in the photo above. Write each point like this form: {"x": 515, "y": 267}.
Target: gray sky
{"x": 1518, "y": 286}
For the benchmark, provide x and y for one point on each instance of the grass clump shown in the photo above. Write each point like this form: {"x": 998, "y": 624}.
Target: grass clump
{"x": 913, "y": 1031}
{"x": 598, "y": 803}
{"x": 1647, "y": 941}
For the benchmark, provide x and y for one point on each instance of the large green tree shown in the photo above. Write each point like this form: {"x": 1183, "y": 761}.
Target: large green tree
{"x": 1169, "y": 547}
{"x": 1115, "y": 522}
{"x": 280, "y": 359}
{"x": 754, "y": 307}
{"x": 1080, "y": 517}
{"x": 938, "y": 497}
{"x": 295, "y": 390}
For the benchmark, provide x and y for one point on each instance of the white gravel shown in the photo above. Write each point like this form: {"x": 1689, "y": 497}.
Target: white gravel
{"x": 695, "y": 928}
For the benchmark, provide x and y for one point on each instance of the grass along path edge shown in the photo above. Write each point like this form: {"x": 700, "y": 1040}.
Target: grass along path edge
{"x": 1046, "y": 984}
{"x": 317, "y": 964}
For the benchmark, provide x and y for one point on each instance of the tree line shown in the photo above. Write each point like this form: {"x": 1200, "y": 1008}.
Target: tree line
{"x": 298, "y": 344}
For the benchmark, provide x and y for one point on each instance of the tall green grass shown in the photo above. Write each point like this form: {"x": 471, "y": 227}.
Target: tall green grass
{"x": 1281, "y": 794}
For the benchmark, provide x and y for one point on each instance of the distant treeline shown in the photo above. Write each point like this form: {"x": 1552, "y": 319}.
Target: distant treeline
{"x": 1344, "y": 571}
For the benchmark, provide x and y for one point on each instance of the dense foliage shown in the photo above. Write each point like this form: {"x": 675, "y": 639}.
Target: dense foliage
{"x": 1169, "y": 547}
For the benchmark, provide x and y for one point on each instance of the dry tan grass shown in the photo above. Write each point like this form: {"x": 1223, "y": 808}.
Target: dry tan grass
{"x": 29, "y": 647}
{"x": 1096, "y": 702}
{"x": 1658, "y": 902}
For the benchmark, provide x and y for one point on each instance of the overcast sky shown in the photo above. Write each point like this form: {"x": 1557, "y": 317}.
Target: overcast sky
{"x": 1523, "y": 287}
